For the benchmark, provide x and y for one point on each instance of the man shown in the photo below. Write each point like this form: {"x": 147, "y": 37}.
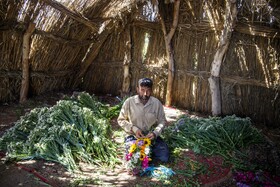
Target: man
{"x": 142, "y": 116}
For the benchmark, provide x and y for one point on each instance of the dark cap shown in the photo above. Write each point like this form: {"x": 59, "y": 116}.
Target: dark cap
{"x": 145, "y": 82}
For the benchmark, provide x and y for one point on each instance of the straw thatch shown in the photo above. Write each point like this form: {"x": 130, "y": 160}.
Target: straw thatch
{"x": 87, "y": 45}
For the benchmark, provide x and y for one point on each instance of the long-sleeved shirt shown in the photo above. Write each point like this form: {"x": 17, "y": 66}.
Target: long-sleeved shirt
{"x": 136, "y": 116}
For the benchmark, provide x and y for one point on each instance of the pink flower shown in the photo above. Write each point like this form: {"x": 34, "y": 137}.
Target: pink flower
{"x": 145, "y": 162}
{"x": 128, "y": 156}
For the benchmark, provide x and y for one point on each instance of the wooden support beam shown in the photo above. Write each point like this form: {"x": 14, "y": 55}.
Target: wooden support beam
{"x": 214, "y": 80}
{"x": 126, "y": 64}
{"x": 257, "y": 30}
{"x": 72, "y": 14}
{"x": 93, "y": 52}
{"x": 169, "y": 50}
{"x": 25, "y": 62}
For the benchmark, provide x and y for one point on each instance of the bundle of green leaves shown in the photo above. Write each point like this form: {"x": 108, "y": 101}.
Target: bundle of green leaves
{"x": 74, "y": 130}
{"x": 213, "y": 136}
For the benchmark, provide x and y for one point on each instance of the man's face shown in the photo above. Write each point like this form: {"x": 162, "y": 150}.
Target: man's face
{"x": 144, "y": 93}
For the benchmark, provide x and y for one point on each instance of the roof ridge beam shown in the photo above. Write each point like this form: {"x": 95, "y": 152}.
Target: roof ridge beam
{"x": 74, "y": 15}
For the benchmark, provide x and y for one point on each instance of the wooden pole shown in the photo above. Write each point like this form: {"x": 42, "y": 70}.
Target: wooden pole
{"x": 169, "y": 51}
{"x": 78, "y": 17}
{"x": 126, "y": 65}
{"x": 92, "y": 54}
{"x": 25, "y": 62}
{"x": 214, "y": 80}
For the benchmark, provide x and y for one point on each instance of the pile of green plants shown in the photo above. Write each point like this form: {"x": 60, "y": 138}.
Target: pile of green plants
{"x": 226, "y": 137}
{"x": 76, "y": 129}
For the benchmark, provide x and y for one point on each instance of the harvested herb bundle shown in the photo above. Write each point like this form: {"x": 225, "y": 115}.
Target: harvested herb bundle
{"x": 213, "y": 136}
{"x": 75, "y": 129}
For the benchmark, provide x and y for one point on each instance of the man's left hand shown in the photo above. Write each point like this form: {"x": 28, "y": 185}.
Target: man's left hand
{"x": 151, "y": 136}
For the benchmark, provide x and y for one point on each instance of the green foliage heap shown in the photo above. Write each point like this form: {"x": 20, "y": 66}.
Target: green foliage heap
{"x": 74, "y": 130}
{"x": 213, "y": 136}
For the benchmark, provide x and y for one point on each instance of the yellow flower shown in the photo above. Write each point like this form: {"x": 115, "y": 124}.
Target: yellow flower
{"x": 147, "y": 142}
{"x": 132, "y": 148}
{"x": 142, "y": 155}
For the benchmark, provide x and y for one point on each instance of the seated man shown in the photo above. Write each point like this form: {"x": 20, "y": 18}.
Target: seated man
{"x": 142, "y": 116}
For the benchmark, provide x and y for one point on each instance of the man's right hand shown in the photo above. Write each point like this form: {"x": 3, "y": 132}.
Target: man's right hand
{"x": 139, "y": 134}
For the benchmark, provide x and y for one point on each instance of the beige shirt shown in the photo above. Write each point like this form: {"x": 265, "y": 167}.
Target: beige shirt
{"x": 134, "y": 115}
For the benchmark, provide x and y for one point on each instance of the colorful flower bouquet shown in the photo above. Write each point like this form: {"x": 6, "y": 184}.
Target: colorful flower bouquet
{"x": 138, "y": 155}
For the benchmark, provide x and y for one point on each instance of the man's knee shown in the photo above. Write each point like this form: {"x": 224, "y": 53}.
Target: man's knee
{"x": 160, "y": 151}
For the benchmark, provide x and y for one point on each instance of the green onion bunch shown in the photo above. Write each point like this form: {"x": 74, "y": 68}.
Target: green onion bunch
{"x": 74, "y": 130}
{"x": 213, "y": 136}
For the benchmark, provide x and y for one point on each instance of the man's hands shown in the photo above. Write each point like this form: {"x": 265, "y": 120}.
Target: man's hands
{"x": 151, "y": 135}
{"x": 139, "y": 134}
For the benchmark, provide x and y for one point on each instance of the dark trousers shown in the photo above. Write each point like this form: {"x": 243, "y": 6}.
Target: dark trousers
{"x": 160, "y": 151}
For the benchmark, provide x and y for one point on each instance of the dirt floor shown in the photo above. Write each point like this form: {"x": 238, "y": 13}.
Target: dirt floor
{"x": 43, "y": 173}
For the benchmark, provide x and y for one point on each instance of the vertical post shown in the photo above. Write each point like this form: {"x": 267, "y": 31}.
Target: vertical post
{"x": 25, "y": 62}
{"x": 126, "y": 64}
{"x": 214, "y": 80}
{"x": 169, "y": 51}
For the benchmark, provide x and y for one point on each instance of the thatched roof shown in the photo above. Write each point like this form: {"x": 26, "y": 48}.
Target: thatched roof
{"x": 65, "y": 32}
